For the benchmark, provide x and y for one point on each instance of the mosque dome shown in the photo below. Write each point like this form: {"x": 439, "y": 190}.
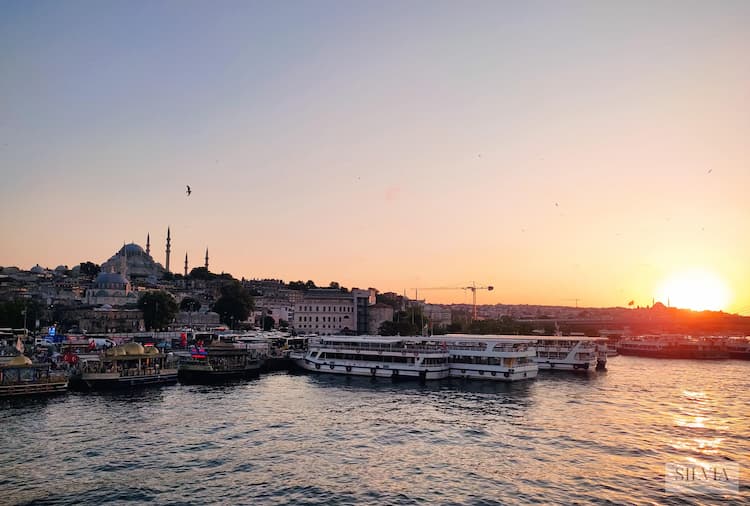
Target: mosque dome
{"x": 111, "y": 280}
{"x": 132, "y": 259}
{"x": 131, "y": 249}
{"x": 37, "y": 269}
{"x": 20, "y": 360}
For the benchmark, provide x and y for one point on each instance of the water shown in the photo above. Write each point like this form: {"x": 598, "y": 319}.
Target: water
{"x": 307, "y": 439}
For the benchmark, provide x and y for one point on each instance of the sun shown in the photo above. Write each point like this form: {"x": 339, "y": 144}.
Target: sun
{"x": 695, "y": 289}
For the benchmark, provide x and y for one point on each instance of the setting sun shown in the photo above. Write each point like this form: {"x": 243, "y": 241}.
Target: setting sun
{"x": 697, "y": 289}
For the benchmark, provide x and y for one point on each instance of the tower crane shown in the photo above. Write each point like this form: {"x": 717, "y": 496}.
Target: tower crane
{"x": 473, "y": 288}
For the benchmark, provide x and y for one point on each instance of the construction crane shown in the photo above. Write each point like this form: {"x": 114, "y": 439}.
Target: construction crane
{"x": 576, "y": 301}
{"x": 473, "y": 288}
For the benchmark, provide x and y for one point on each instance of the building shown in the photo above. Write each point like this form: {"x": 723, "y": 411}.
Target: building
{"x": 107, "y": 319}
{"x": 438, "y": 316}
{"x": 111, "y": 288}
{"x": 132, "y": 261}
{"x": 329, "y": 311}
{"x": 377, "y": 314}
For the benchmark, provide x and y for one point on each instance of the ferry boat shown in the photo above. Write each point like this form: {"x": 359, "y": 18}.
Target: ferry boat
{"x": 127, "y": 366}
{"x": 220, "y": 360}
{"x": 674, "y": 346}
{"x": 20, "y": 377}
{"x": 376, "y": 356}
{"x": 738, "y": 347}
{"x": 567, "y": 353}
{"x": 502, "y": 358}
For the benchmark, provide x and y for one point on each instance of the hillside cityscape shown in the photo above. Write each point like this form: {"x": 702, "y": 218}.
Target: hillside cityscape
{"x": 131, "y": 292}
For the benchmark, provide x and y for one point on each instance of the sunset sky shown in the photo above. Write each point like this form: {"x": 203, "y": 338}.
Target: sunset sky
{"x": 555, "y": 150}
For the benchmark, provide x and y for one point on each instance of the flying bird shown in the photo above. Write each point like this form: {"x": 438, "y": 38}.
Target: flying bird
{"x": 189, "y": 191}
{"x": 710, "y": 170}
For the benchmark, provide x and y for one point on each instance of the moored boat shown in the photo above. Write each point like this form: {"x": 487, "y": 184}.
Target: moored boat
{"x": 20, "y": 377}
{"x": 219, "y": 361}
{"x": 567, "y": 353}
{"x": 376, "y": 356}
{"x": 488, "y": 357}
{"x": 738, "y": 347}
{"x": 127, "y": 366}
{"x": 674, "y": 346}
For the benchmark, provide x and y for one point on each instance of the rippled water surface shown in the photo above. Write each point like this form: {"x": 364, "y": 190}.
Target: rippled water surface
{"x": 307, "y": 439}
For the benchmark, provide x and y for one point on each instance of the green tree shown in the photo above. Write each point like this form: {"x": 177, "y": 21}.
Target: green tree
{"x": 201, "y": 273}
{"x": 387, "y": 328}
{"x": 310, "y": 284}
{"x": 190, "y": 304}
{"x": 268, "y": 322}
{"x": 296, "y": 285}
{"x": 234, "y": 304}
{"x": 12, "y": 313}
{"x": 159, "y": 309}
{"x": 90, "y": 269}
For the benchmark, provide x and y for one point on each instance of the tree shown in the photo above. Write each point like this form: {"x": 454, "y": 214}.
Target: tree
{"x": 334, "y": 284}
{"x": 201, "y": 273}
{"x": 190, "y": 304}
{"x": 12, "y": 313}
{"x": 159, "y": 309}
{"x": 235, "y": 303}
{"x": 90, "y": 269}
{"x": 297, "y": 285}
{"x": 310, "y": 284}
{"x": 387, "y": 328}
{"x": 268, "y": 322}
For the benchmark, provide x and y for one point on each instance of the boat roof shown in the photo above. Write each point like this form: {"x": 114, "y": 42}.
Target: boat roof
{"x": 485, "y": 337}
{"x": 518, "y": 337}
{"x": 373, "y": 339}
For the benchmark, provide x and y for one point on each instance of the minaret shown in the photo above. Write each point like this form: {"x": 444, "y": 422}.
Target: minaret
{"x": 148, "y": 244}
{"x": 206, "y": 258}
{"x": 186, "y": 264}
{"x": 166, "y": 267}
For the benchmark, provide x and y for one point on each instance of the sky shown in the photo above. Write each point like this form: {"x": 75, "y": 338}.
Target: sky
{"x": 557, "y": 151}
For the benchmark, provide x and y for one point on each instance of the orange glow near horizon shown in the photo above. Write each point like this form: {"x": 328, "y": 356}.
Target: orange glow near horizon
{"x": 695, "y": 289}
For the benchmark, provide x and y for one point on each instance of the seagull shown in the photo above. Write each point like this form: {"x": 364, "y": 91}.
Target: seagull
{"x": 710, "y": 170}
{"x": 189, "y": 191}
{"x": 556, "y": 205}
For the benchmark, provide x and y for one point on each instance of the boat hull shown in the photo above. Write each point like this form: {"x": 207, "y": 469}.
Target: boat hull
{"x": 676, "y": 353}
{"x": 470, "y": 371}
{"x": 110, "y": 381}
{"x": 566, "y": 366}
{"x": 210, "y": 376}
{"x": 33, "y": 389}
{"x": 373, "y": 370}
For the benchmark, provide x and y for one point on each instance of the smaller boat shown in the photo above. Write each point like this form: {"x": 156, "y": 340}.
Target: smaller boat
{"x": 127, "y": 366}
{"x": 219, "y": 361}
{"x": 20, "y": 377}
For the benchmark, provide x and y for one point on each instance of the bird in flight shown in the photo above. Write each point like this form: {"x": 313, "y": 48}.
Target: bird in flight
{"x": 189, "y": 191}
{"x": 710, "y": 171}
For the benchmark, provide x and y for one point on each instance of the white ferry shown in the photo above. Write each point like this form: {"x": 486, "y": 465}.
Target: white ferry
{"x": 376, "y": 356}
{"x": 567, "y": 353}
{"x": 503, "y": 358}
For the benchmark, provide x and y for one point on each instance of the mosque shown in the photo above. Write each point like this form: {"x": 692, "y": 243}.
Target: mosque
{"x": 130, "y": 265}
